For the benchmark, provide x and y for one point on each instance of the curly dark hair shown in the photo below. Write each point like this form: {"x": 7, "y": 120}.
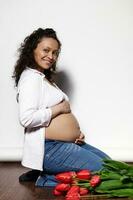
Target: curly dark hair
{"x": 26, "y": 56}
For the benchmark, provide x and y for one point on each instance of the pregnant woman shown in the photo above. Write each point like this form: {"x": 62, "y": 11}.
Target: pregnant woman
{"x": 53, "y": 140}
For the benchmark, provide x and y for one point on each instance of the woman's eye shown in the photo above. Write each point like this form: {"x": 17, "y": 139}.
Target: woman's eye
{"x": 56, "y": 53}
{"x": 46, "y": 50}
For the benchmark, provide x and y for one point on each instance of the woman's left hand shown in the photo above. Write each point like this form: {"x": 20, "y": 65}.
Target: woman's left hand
{"x": 80, "y": 139}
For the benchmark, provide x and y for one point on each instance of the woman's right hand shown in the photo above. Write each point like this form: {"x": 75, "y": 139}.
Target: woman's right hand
{"x": 61, "y": 108}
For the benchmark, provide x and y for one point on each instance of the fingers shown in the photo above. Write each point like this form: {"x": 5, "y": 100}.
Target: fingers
{"x": 64, "y": 107}
{"x": 82, "y": 136}
{"x": 79, "y": 141}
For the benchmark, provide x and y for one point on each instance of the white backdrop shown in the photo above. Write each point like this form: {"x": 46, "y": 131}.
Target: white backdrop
{"x": 96, "y": 59}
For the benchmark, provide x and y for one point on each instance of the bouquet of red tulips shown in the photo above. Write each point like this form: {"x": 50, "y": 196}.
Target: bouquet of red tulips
{"x": 75, "y": 184}
{"x": 114, "y": 180}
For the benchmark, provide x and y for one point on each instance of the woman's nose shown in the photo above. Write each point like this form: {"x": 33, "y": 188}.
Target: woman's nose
{"x": 50, "y": 55}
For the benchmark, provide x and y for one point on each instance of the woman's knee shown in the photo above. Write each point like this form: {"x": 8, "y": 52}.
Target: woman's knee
{"x": 96, "y": 151}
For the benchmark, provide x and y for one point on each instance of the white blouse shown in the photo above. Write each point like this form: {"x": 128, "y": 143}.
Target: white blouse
{"x": 35, "y": 97}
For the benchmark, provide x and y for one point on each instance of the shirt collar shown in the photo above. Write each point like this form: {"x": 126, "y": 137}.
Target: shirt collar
{"x": 36, "y": 71}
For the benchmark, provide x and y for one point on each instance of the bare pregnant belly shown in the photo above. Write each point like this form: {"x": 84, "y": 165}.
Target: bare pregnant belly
{"x": 64, "y": 127}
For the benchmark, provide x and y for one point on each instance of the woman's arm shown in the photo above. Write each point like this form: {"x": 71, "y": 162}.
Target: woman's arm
{"x": 30, "y": 115}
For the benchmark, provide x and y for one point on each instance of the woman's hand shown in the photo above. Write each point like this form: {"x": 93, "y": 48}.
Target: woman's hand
{"x": 65, "y": 107}
{"x": 61, "y": 108}
{"x": 80, "y": 139}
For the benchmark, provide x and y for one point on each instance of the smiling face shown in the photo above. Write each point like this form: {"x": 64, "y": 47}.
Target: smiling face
{"x": 46, "y": 53}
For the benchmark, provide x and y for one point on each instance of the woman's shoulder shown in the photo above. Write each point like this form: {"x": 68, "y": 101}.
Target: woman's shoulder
{"x": 29, "y": 75}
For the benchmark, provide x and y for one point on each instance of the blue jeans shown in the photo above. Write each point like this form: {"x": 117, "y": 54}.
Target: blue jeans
{"x": 67, "y": 156}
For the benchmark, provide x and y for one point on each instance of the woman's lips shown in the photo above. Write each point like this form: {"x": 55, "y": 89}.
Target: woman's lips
{"x": 48, "y": 61}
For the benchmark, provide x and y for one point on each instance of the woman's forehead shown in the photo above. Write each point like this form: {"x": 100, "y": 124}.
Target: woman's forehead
{"x": 49, "y": 42}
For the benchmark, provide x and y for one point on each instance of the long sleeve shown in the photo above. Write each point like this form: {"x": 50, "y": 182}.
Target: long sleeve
{"x": 30, "y": 91}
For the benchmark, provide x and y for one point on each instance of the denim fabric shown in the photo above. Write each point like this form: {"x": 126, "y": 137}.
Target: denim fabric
{"x": 46, "y": 180}
{"x": 67, "y": 156}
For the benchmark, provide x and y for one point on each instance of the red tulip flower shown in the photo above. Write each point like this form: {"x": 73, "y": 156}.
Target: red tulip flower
{"x": 73, "y": 193}
{"x": 83, "y": 191}
{"x": 65, "y": 177}
{"x": 57, "y": 193}
{"x": 84, "y": 174}
{"x": 62, "y": 187}
{"x": 73, "y": 189}
{"x": 95, "y": 180}
{"x": 74, "y": 196}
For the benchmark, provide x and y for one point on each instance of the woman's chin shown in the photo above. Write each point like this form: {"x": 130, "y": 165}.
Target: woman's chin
{"x": 44, "y": 67}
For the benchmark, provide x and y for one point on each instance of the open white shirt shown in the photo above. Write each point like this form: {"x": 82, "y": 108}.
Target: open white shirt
{"x": 35, "y": 97}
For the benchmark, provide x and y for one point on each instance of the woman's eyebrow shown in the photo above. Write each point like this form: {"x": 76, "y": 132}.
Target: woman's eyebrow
{"x": 51, "y": 48}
